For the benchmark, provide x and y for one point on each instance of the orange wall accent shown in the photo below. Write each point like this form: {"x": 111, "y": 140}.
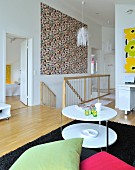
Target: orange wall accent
{"x": 8, "y": 74}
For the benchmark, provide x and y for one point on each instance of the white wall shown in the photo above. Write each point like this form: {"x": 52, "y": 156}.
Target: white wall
{"x": 122, "y": 21}
{"x": 15, "y": 71}
{"x": 108, "y": 35}
{"x": 23, "y": 19}
{"x": 12, "y": 50}
{"x": 108, "y": 57}
{"x": 13, "y": 57}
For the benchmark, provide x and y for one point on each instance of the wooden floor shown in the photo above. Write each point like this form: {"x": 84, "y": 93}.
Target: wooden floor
{"x": 29, "y": 123}
{"x": 15, "y": 103}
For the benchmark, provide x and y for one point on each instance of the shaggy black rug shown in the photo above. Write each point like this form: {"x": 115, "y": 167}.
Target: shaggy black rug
{"x": 123, "y": 148}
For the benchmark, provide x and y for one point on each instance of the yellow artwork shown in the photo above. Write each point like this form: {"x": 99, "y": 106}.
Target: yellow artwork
{"x": 130, "y": 50}
{"x": 129, "y": 33}
{"x": 8, "y": 74}
{"x": 130, "y": 65}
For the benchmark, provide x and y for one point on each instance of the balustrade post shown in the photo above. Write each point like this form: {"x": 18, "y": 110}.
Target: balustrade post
{"x": 109, "y": 84}
{"x": 98, "y": 84}
{"x": 64, "y": 94}
{"x": 41, "y": 93}
{"x": 84, "y": 89}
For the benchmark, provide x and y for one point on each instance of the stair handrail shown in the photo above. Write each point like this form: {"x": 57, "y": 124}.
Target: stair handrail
{"x": 66, "y": 82}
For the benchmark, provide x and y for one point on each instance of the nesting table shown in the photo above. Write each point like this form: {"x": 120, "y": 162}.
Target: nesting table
{"x": 5, "y": 111}
{"x": 95, "y": 135}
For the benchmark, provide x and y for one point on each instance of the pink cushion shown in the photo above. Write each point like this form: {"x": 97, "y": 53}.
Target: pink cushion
{"x": 104, "y": 161}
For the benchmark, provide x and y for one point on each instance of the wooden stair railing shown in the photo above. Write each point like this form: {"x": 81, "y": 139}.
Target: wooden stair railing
{"x": 75, "y": 92}
{"x": 84, "y": 91}
{"x": 47, "y": 97}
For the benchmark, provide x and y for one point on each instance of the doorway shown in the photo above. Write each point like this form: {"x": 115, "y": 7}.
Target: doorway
{"x": 18, "y": 55}
{"x": 109, "y": 66}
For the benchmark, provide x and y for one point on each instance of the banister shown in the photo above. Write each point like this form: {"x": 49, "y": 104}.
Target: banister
{"x": 82, "y": 77}
{"x": 85, "y": 93}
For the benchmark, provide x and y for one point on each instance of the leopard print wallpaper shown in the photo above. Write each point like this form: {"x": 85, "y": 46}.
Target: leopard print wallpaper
{"x": 59, "y": 51}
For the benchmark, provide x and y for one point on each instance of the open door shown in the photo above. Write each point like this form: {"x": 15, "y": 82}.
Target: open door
{"x": 24, "y": 73}
{"x": 24, "y": 66}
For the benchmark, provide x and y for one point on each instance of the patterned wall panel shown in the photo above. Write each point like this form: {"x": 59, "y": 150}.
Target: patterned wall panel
{"x": 59, "y": 51}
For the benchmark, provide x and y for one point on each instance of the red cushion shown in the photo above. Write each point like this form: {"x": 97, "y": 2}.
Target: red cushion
{"x": 104, "y": 161}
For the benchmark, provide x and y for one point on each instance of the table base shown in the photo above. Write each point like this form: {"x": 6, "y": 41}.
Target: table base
{"x": 75, "y": 131}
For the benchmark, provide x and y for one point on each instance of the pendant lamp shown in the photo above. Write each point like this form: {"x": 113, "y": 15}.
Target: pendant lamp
{"x": 82, "y": 34}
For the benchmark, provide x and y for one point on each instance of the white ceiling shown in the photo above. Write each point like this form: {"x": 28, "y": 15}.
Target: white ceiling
{"x": 100, "y": 11}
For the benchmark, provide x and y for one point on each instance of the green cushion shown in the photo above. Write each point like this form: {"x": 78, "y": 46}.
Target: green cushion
{"x": 59, "y": 155}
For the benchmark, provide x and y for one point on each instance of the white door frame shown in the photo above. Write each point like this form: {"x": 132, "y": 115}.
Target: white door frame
{"x": 30, "y": 68}
{"x": 30, "y": 72}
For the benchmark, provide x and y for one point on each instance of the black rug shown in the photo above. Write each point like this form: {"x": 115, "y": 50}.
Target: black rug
{"x": 123, "y": 148}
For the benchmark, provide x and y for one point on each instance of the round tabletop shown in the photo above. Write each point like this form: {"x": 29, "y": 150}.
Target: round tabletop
{"x": 74, "y": 112}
